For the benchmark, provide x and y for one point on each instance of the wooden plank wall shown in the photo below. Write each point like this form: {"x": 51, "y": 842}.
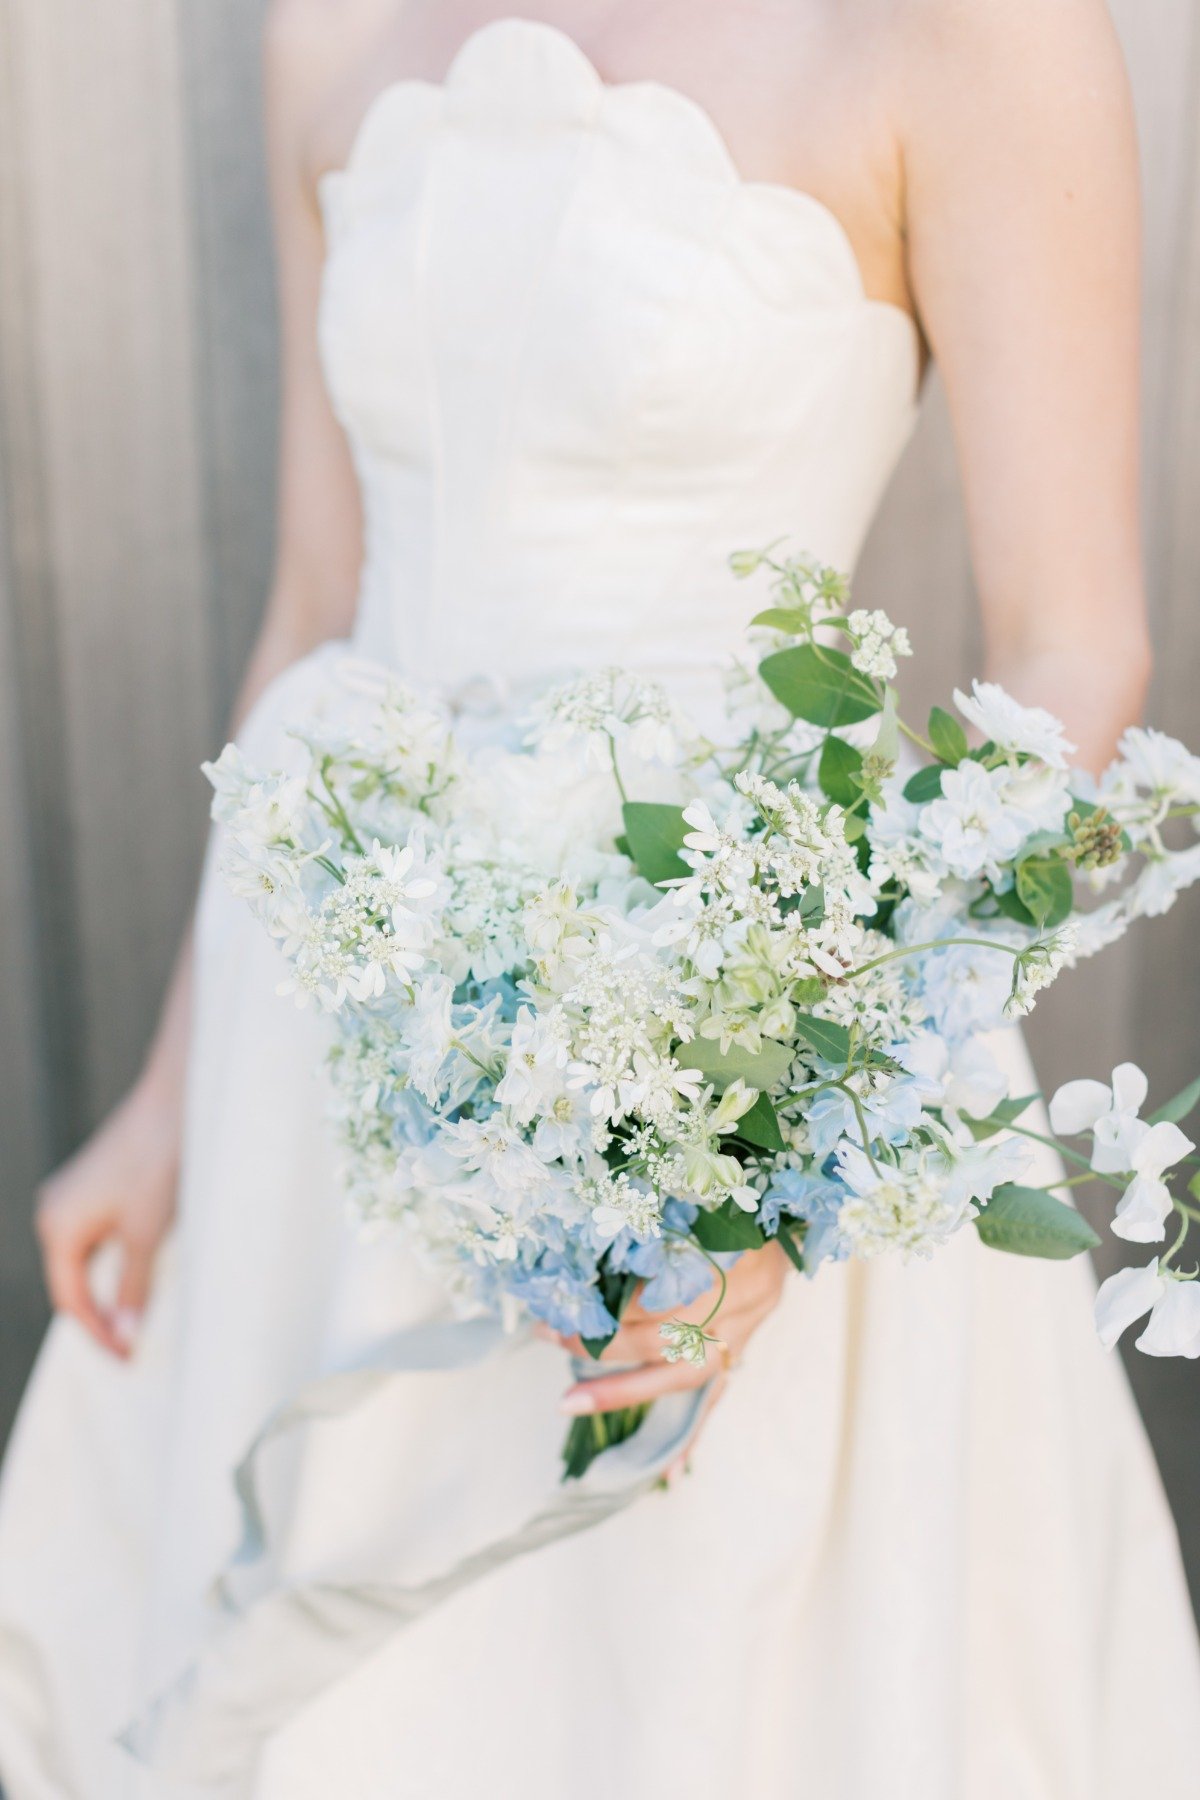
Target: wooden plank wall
{"x": 137, "y": 408}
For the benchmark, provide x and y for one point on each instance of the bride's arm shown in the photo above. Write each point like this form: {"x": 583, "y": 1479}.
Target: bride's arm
{"x": 119, "y": 1187}
{"x": 1021, "y": 213}
{"x": 1025, "y": 260}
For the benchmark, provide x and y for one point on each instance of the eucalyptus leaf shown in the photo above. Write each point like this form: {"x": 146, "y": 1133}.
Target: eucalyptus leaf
{"x": 1045, "y": 886}
{"x": 763, "y": 1069}
{"x": 1001, "y": 1117}
{"x": 947, "y": 736}
{"x": 1030, "y": 1222}
{"x": 840, "y": 763}
{"x": 926, "y": 784}
{"x": 820, "y": 685}
{"x": 727, "y": 1228}
{"x": 760, "y": 1126}
{"x": 825, "y": 1036}
{"x": 655, "y": 834}
{"x": 794, "y": 620}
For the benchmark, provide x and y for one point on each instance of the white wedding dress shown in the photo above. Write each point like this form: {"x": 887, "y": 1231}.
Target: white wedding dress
{"x": 924, "y": 1554}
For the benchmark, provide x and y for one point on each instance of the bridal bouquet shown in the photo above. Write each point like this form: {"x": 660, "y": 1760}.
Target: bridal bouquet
{"x": 615, "y": 1004}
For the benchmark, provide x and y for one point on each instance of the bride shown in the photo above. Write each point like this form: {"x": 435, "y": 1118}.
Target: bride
{"x": 572, "y": 307}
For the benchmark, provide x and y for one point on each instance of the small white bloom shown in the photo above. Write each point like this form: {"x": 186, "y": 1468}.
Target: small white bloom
{"x": 1013, "y": 728}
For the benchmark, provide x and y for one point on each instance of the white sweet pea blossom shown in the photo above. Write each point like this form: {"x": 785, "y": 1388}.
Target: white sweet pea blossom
{"x": 1146, "y": 1204}
{"x": 1124, "y": 1143}
{"x": 1016, "y": 729}
{"x": 1111, "y": 1113}
{"x": 1174, "y": 1328}
{"x": 1174, "y": 1307}
{"x": 1124, "y": 1298}
{"x": 1157, "y": 763}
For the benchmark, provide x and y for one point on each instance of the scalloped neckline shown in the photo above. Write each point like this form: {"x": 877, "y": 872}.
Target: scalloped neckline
{"x": 511, "y": 24}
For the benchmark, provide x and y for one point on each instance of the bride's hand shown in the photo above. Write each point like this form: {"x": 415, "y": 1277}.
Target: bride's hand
{"x": 118, "y": 1188}
{"x": 753, "y": 1289}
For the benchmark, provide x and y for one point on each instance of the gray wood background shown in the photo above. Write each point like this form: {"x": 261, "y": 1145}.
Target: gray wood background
{"x": 137, "y": 404}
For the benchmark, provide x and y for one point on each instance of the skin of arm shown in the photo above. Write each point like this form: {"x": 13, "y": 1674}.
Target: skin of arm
{"x": 119, "y": 1188}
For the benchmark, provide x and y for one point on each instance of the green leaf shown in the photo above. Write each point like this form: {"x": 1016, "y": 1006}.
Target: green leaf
{"x": 1177, "y": 1109}
{"x": 792, "y": 619}
{"x": 812, "y": 911}
{"x": 728, "y": 1228}
{"x": 809, "y": 990}
{"x": 1029, "y": 1222}
{"x": 947, "y": 736}
{"x": 840, "y": 763}
{"x": 1012, "y": 908}
{"x": 763, "y": 1069}
{"x": 1044, "y": 885}
{"x": 828, "y": 1039}
{"x": 926, "y": 784}
{"x": 656, "y": 835}
{"x": 760, "y": 1126}
{"x": 820, "y": 685}
{"x": 788, "y": 1229}
{"x": 1004, "y": 1115}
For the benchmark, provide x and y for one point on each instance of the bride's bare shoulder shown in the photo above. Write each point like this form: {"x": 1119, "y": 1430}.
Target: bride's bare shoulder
{"x": 314, "y": 51}
{"x": 1031, "y": 84}
{"x": 969, "y": 46}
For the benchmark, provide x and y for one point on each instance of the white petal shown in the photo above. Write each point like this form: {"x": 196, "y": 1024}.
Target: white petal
{"x": 1078, "y": 1105}
{"x": 1174, "y": 1328}
{"x": 1130, "y": 1087}
{"x": 1162, "y": 1145}
{"x": 1124, "y": 1297}
{"x": 1118, "y": 1139}
{"x": 1143, "y": 1211}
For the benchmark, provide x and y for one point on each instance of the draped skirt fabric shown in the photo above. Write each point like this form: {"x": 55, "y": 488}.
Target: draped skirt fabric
{"x": 923, "y": 1553}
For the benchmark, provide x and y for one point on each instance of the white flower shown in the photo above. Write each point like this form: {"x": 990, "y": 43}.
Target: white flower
{"x": 879, "y": 643}
{"x": 1124, "y": 1297}
{"x": 1124, "y": 1143}
{"x": 535, "y": 1073}
{"x": 1173, "y": 1305}
{"x": 1013, "y": 728}
{"x": 1110, "y": 1112}
{"x": 1037, "y": 966}
{"x": 1174, "y": 1328}
{"x": 973, "y": 830}
{"x": 1159, "y": 763}
{"x": 980, "y": 1169}
{"x": 907, "y": 1206}
{"x": 683, "y": 1342}
{"x": 1146, "y": 1204}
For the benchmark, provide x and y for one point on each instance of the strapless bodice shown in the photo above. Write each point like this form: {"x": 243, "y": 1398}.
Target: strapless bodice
{"x": 580, "y": 360}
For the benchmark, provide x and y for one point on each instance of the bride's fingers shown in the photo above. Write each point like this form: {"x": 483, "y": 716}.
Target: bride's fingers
{"x": 66, "y": 1255}
{"x": 636, "y": 1387}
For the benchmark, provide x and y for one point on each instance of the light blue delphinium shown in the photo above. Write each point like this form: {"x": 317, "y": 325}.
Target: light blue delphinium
{"x": 674, "y": 1270}
{"x": 816, "y": 1201}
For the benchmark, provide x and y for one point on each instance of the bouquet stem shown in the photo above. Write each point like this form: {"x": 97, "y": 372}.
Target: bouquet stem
{"x": 593, "y": 1433}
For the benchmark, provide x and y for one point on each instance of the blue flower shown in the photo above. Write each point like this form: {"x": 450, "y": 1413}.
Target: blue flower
{"x": 674, "y": 1270}
{"x": 556, "y": 1292}
{"x": 817, "y": 1201}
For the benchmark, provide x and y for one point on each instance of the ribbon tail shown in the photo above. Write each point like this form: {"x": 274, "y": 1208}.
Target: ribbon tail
{"x": 291, "y": 1644}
